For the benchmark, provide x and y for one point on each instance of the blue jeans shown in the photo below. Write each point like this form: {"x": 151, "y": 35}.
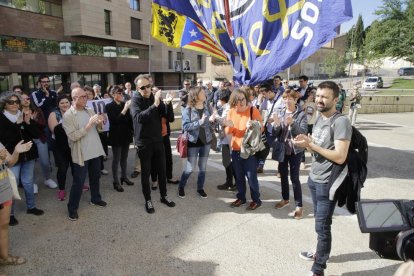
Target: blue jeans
{"x": 292, "y": 161}
{"x": 246, "y": 168}
{"x": 43, "y": 151}
{"x": 192, "y": 154}
{"x": 25, "y": 172}
{"x": 323, "y": 210}
{"x": 93, "y": 168}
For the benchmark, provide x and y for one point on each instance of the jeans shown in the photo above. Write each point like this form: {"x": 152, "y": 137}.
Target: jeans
{"x": 120, "y": 156}
{"x": 192, "y": 154}
{"x": 43, "y": 151}
{"x": 323, "y": 212}
{"x": 246, "y": 168}
{"x": 93, "y": 168}
{"x": 62, "y": 160}
{"x": 152, "y": 154}
{"x": 352, "y": 115}
{"x": 25, "y": 171}
{"x": 292, "y": 161}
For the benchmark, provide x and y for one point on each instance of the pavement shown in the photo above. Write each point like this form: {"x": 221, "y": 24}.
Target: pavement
{"x": 206, "y": 236}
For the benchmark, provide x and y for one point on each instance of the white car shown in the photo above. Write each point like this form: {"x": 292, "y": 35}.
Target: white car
{"x": 372, "y": 83}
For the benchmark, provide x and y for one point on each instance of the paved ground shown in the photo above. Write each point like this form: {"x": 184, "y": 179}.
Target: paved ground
{"x": 206, "y": 236}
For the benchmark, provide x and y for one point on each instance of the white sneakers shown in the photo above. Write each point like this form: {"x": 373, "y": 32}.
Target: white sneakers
{"x": 50, "y": 183}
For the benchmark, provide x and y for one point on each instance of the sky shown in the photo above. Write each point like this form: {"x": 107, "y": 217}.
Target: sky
{"x": 364, "y": 7}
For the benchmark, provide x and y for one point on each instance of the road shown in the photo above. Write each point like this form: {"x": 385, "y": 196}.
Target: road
{"x": 205, "y": 236}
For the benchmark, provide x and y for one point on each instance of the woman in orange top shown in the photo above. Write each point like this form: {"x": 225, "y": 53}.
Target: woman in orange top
{"x": 237, "y": 123}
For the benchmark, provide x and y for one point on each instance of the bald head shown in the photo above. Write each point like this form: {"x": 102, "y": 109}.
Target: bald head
{"x": 79, "y": 98}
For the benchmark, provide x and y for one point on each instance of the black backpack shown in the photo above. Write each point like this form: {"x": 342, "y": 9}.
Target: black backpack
{"x": 350, "y": 191}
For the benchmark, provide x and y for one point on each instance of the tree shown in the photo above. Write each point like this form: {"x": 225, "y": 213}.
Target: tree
{"x": 333, "y": 64}
{"x": 392, "y": 35}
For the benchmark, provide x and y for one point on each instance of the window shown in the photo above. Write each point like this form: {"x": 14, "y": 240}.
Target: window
{"x": 37, "y": 6}
{"x": 170, "y": 60}
{"x": 199, "y": 62}
{"x": 107, "y": 22}
{"x": 134, "y": 4}
{"x": 180, "y": 55}
{"x": 135, "y": 28}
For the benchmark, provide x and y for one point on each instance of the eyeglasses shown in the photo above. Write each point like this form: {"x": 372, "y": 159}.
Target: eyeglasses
{"x": 199, "y": 82}
{"x": 186, "y": 84}
{"x": 12, "y": 102}
{"x": 44, "y": 81}
{"x": 145, "y": 87}
{"x": 241, "y": 100}
{"x": 119, "y": 92}
{"x": 80, "y": 97}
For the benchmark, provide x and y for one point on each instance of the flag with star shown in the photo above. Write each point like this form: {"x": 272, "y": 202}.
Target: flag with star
{"x": 177, "y": 30}
{"x": 259, "y": 37}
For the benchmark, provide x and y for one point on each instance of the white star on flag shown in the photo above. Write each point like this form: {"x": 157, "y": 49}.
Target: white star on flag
{"x": 193, "y": 33}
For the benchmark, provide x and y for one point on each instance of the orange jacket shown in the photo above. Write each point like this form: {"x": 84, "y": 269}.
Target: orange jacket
{"x": 239, "y": 120}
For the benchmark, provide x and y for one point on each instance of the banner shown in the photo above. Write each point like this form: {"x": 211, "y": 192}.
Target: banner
{"x": 99, "y": 106}
{"x": 259, "y": 37}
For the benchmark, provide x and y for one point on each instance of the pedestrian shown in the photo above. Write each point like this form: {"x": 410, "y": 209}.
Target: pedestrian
{"x": 120, "y": 135}
{"x": 239, "y": 120}
{"x": 41, "y": 142}
{"x": 311, "y": 112}
{"x": 195, "y": 121}
{"x": 288, "y": 123}
{"x": 44, "y": 98}
{"x": 341, "y": 100}
{"x": 355, "y": 100}
{"x": 146, "y": 110}
{"x": 17, "y": 126}
{"x": 8, "y": 160}
{"x": 166, "y": 119}
{"x": 81, "y": 125}
{"x": 329, "y": 143}
{"x": 183, "y": 93}
{"x": 61, "y": 152}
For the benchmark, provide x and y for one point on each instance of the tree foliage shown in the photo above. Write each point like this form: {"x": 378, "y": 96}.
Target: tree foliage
{"x": 334, "y": 64}
{"x": 392, "y": 35}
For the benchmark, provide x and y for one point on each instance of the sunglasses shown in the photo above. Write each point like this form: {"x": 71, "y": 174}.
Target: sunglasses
{"x": 241, "y": 100}
{"x": 12, "y": 102}
{"x": 145, "y": 87}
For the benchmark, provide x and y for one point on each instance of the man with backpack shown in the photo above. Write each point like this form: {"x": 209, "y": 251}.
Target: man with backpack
{"x": 329, "y": 143}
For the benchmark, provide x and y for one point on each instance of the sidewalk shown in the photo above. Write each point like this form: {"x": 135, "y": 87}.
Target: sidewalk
{"x": 197, "y": 237}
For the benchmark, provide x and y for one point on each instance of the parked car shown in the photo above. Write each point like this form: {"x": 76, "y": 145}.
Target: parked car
{"x": 406, "y": 71}
{"x": 373, "y": 83}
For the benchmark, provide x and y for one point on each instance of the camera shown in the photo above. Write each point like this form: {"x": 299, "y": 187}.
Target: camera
{"x": 390, "y": 224}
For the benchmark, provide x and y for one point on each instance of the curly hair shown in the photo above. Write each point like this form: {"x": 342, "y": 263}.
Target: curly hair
{"x": 193, "y": 95}
{"x": 5, "y": 96}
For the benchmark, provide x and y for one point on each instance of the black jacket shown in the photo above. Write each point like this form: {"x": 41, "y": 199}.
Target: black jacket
{"x": 12, "y": 133}
{"x": 147, "y": 120}
{"x": 120, "y": 126}
{"x": 169, "y": 116}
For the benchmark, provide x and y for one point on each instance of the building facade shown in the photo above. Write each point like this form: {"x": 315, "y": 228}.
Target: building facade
{"x": 89, "y": 41}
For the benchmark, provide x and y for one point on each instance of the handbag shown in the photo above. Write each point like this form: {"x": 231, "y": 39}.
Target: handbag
{"x": 13, "y": 184}
{"x": 261, "y": 154}
{"x": 213, "y": 143}
{"x": 278, "y": 152}
{"x": 182, "y": 144}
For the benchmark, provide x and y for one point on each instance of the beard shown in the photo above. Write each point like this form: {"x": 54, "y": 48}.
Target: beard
{"x": 323, "y": 108}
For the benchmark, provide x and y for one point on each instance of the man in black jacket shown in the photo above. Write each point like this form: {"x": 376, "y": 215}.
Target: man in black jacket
{"x": 146, "y": 111}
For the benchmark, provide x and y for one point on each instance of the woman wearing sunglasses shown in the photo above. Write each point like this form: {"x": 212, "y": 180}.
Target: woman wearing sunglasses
{"x": 17, "y": 126}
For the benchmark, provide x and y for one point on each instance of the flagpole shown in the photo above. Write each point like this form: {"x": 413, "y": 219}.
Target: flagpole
{"x": 182, "y": 65}
{"x": 149, "y": 50}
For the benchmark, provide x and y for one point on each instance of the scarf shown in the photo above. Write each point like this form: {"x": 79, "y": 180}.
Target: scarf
{"x": 12, "y": 117}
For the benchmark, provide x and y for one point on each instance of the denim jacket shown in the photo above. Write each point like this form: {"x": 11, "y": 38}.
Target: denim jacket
{"x": 192, "y": 127}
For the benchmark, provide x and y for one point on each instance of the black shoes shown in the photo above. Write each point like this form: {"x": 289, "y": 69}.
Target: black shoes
{"x": 201, "y": 193}
{"x": 118, "y": 187}
{"x": 227, "y": 187}
{"x": 99, "y": 203}
{"x": 172, "y": 181}
{"x": 127, "y": 181}
{"x": 13, "y": 221}
{"x": 35, "y": 211}
{"x": 167, "y": 202}
{"x": 73, "y": 216}
{"x": 181, "y": 192}
{"x": 149, "y": 207}
{"x": 134, "y": 174}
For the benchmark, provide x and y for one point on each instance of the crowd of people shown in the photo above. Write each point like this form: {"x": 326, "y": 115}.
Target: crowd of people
{"x": 236, "y": 121}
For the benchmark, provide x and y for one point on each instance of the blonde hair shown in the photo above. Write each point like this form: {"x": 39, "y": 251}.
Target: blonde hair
{"x": 291, "y": 93}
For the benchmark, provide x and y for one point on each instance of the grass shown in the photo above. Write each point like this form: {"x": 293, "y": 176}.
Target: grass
{"x": 398, "y": 88}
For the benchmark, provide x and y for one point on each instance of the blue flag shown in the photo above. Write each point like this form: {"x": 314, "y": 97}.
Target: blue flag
{"x": 263, "y": 37}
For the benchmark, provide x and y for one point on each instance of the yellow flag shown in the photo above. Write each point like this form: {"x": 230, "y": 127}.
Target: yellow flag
{"x": 167, "y": 25}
